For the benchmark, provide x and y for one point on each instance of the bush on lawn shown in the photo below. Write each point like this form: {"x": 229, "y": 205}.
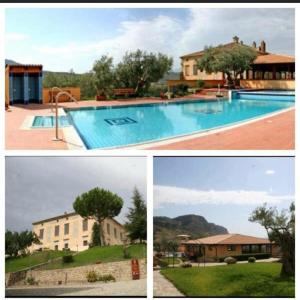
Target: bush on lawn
{"x": 230, "y": 260}
{"x": 67, "y": 258}
{"x": 186, "y": 265}
{"x": 180, "y": 89}
{"x": 163, "y": 263}
{"x": 251, "y": 259}
{"x": 244, "y": 257}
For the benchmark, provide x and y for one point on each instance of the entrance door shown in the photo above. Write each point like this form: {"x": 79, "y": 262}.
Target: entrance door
{"x": 33, "y": 88}
{"x": 18, "y": 88}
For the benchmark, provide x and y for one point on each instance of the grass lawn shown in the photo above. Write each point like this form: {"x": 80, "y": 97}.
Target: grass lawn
{"x": 102, "y": 254}
{"x": 169, "y": 260}
{"x": 248, "y": 280}
{"x": 16, "y": 264}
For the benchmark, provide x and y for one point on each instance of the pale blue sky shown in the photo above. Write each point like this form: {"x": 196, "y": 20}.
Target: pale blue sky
{"x": 62, "y": 39}
{"x": 223, "y": 190}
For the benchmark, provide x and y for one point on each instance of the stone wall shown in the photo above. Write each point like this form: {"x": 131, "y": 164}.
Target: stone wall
{"x": 120, "y": 270}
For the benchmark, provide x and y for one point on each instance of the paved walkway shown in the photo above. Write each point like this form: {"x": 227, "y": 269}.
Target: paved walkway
{"x": 120, "y": 288}
{"x": 163, "y": 287}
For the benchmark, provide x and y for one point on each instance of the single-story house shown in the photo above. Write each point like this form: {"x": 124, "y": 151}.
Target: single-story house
{"x": 214, "y": 247}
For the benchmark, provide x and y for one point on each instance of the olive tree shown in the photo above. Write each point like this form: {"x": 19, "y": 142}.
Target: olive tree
{"x": 98, "y": 204}
{"x": 280, "y": 227}
{"x": 232, "y": 61}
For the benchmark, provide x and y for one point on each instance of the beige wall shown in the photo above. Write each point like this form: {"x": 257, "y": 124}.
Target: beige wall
{"x": 74, "y": 91}
{"x": 77, "y": 239}
{"x": 121, "y": 270}
{"x": 268, "y": 84}
{"x": 187, "y": 68}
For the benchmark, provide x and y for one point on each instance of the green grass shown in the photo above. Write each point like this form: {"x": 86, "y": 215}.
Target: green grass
{"x": 169, "y": 260}
{"x": 102, "y": 254}
{"x": 248, "y": 280}
{"x": 19, "y": 263}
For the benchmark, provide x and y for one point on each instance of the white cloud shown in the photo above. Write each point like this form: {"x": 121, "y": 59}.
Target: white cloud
{"x": 169, "y": 35}
{"x": 184, "y": 196}
{"x": 270, "y": 172}
{"x": 14, "y": 36}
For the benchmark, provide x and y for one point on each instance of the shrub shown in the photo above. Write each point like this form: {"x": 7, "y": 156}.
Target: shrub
{"x": 230, "y": 260}
{"x": 155, "y": 90}
{"x": 200, "y": 83}
{"x": 91, "y": 276}
{"x": 251, "y": 259}
{"x": 126, "y": 254}
{"x": 31, "y": 281}
{"x": 186, "y": 265}
{"x": 244, "y": 257}
{"x": 163, "y": 263}
{"x": 180, "y": 89}
{"x": 67, "y": 258}
{"x": 106, "y": 278}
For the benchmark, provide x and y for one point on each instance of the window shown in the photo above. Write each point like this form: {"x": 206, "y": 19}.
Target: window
{"x": 255, "y": 248}
{"x": 56, "y": 247}
{"x": 245, "y": 249}
{"x": 231, "y": 248}
{"x": 41, "y": 234}
{"x": 66, "y": 228}
{"x": 115, "y": 232}
{"x": 186, "y": 70}
{"x": 85, "y": 243}
{"x": 195, "y": 70}
{"x": 66, "y": 246}
{"x": 84, "y": 225}
{"x": 108, "y": 228}
{"x": 56, "y": 230}
{"x": 121, "y": 236}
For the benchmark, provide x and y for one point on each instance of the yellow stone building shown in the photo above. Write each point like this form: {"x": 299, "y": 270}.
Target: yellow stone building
{"x": 71, "y": 231}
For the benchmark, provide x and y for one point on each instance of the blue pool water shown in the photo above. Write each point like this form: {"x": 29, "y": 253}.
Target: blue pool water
{"x": 263, "y": 94}
{"x": 49, "y": 121}
{"x": 127, "y": 125}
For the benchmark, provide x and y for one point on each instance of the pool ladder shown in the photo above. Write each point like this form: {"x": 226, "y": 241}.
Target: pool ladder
{"x": 60, "y": 93}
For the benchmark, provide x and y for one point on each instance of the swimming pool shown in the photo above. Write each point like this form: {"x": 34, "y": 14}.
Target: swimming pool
{"x": 49, "y": 121}
{"x": 121, "y": 126}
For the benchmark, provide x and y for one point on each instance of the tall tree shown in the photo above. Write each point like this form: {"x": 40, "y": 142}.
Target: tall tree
{"x": 232, "y": 61}
{"x": 98, "y": 204}
{"x": 137, "y": 217}
{"x": 280, "y": 227}
{"x": 138, "y": 69}
{"x": 103, "y": 75}
{"x": 96, "y": 241}
{"x": 17, "y": 243}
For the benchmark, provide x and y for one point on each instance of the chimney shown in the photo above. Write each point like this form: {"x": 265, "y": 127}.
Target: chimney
{"x": 254, "y": 45}
{"x": 242, "y": 43}
{"x": 263, "y": 46}
{"x": 235, "y": 39}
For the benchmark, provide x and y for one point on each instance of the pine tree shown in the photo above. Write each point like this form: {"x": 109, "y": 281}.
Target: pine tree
{"x": 137, "y": 218}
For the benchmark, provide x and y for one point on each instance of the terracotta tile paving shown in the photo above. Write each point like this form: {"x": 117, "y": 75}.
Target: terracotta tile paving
{"x": 273, "y": 133}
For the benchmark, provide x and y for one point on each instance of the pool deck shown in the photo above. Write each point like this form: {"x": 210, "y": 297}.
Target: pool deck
{"x": 272, "y": 133}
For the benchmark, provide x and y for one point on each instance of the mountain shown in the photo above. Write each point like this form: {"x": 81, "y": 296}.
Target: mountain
{"x": 193, "y": 225}
{"x": 10, "y": 62}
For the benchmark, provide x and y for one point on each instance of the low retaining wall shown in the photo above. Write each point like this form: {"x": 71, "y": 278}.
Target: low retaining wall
{"x": 121, "y": 270}
{"x": 268, "y": 84}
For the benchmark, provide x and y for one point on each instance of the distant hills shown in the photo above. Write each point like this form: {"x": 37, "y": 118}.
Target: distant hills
{"x": 194, "y": 225}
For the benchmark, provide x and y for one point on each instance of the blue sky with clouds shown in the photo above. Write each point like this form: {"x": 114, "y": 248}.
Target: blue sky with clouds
{"x": 223, "y": 190}
{"x": 62, "y": 39}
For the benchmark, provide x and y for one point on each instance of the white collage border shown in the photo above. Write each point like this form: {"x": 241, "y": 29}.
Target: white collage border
{"x": 147, "y": 153}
